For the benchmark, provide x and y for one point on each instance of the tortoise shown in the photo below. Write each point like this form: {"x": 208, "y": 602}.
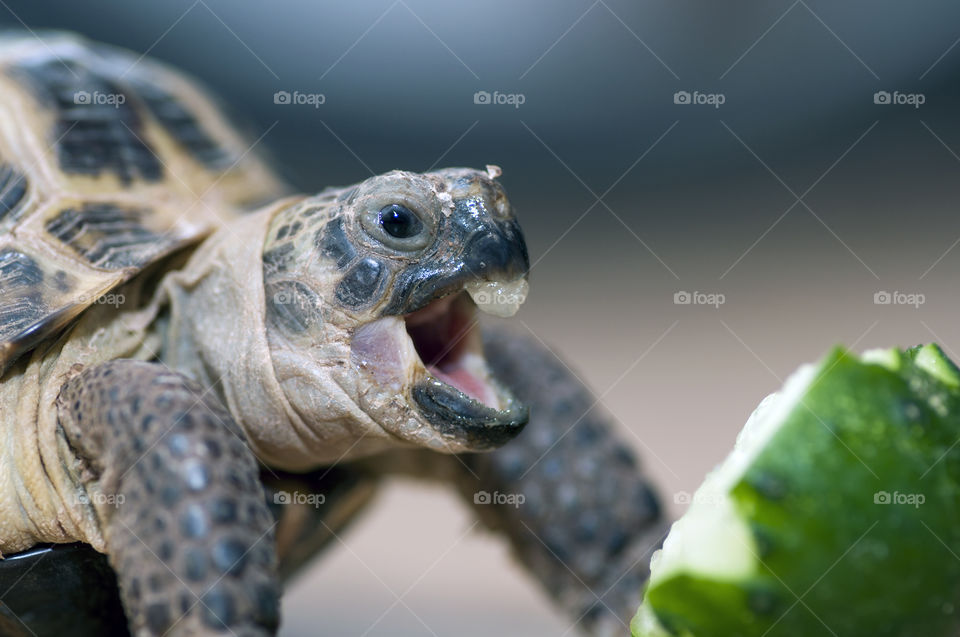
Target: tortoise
{"x": 184, "y": 343}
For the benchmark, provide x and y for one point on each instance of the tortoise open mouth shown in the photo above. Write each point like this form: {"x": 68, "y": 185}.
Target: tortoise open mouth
{"x": 460, "y": 396}
{"x": 439, "y": 347}
{"x": 445, "y": 336}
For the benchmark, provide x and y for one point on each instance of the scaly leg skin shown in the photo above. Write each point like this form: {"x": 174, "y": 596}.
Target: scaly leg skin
{"x": 187, "y": 529}
{"x": 589, "y": 520}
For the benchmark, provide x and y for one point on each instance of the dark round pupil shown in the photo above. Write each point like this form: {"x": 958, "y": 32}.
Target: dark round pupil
{"x": 400, "y": 222}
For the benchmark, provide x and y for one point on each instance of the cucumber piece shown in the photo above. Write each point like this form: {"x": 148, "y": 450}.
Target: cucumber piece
{"x": 836, "y": 513}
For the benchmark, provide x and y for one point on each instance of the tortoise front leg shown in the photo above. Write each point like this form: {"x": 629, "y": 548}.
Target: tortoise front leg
{"x": 567, "y": 492}
{"x": 177, "y": 494}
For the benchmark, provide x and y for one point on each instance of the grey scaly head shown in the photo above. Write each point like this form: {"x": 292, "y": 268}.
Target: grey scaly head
{"x": 378, "y": 278}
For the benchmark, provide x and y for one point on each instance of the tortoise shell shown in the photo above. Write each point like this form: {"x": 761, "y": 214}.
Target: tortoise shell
{"x": 108, "y": 163}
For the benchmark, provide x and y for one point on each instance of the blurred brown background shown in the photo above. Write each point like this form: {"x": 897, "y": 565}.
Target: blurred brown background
{"x": 798, "y": 199}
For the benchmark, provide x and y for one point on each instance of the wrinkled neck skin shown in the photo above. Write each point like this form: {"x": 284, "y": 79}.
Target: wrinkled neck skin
{"x": 286, "y": 379}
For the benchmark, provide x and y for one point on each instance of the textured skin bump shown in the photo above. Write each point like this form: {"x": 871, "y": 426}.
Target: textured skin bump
{"x": 590, "y": 519}
{"x": 292, "y": 306}
{"x": 177, "y": 491}
{"x": 334, "y": 244}
{"x": 362, "y": 284}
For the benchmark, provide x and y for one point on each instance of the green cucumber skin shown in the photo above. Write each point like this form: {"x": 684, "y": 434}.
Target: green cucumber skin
{"x": 808, "y": 500}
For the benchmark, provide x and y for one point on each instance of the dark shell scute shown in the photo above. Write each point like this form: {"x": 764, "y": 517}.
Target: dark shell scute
{"x": 13, "y": 187}
{"x": 21, "y": 300}
{"x": 98, "y": 128}
{"x": 18, "y": 270}
{"x": 181, "y": 125}
{"x": 108, "y": 235}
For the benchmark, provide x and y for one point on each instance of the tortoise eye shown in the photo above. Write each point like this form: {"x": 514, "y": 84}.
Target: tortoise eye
{"x": 399, "y": 221}
{"x": 398, "y": 226}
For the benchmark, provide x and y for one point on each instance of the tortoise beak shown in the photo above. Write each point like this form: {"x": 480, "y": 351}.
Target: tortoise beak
{"x": 473, "y": 424}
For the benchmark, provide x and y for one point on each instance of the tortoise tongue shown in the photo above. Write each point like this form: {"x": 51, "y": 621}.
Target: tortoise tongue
{"x": 467, "y": 382}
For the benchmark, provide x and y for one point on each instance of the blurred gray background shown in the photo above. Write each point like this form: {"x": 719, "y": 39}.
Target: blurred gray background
{"x": 799, "y": 199}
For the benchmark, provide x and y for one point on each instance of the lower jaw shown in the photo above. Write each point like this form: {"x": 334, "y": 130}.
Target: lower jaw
{"x": 468, "y": 422}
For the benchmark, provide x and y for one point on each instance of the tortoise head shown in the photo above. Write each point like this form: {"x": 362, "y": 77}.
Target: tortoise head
{"x": 382, "y": 280}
